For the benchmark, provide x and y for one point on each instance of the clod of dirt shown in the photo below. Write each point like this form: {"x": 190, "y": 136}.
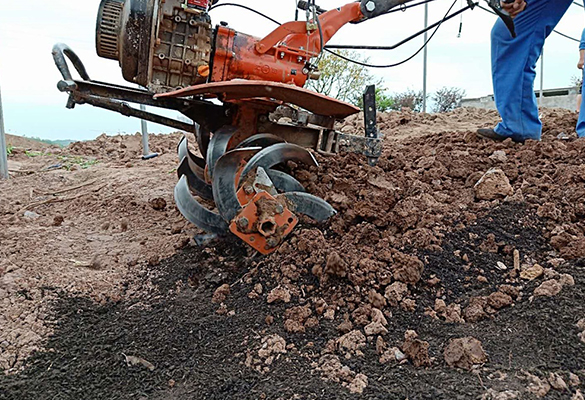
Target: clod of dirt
{"x": 395, "y": 293}
{"x": 273, "y": 344}
{"x": 416, "y": 350}
{"x": 494, "y": 184}
{"x": 279, "y": 294}
{"x": 221, "y": 294}
{"x": 557, "y": 382}
{"x": 58, "y": 220}
{"x": 499, "y": 300}
{"x": 578, "y": 395}
{"x": 407, "y": 268}
{"x": 376, "y": 299}
{"x": 358, "y": 384}
{"x": 532, "y": 272}
{"x": 549, "y": 288}
{"x": 464, "y": 353}
{"x": 335, "y": 265}
{"x": 537, "y": 386}
{"x": 296, "y": 318}
{"x": 574, "y": 379}
{"x": 391, "y": 355}
{"x": 499, "y": 156}
{"x": 475, "y": 311}
{"x": 123, "y": 225}
{"x": 352, "y": 341}
{"x": 158, "y": 204}
{"x": 375, "y": 328}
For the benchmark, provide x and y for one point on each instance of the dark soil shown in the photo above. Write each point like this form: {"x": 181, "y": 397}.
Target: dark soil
{"x": 198, "y": 354}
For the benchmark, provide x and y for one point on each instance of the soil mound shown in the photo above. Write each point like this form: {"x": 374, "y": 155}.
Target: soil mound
{"x": 365, "y": 303}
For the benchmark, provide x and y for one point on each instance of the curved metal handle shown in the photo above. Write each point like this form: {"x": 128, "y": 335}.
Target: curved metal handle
{"x": 60, "y": 50}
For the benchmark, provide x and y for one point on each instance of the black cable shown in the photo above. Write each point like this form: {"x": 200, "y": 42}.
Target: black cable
{"x": 247, "y": 8}
{"x": 403, "y": 61}
{"x": 578, "y": 4}
{"x": 554, "y": 30}
{"x": 318, "y": 26}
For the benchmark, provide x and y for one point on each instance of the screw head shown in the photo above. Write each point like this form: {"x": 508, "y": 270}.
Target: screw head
{"x": 370, "y": 6}
{"x": 242, "y": 223}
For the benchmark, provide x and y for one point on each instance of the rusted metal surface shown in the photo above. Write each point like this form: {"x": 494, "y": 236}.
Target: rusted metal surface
{"x": 234, "y": 90}
{"x": 264, "y": 222}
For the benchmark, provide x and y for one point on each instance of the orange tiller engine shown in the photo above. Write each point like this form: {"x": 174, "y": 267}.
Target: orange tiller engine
{"x": 166, "y": 45}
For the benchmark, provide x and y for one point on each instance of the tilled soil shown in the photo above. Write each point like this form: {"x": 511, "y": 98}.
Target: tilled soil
{"x": 427, "y": 247}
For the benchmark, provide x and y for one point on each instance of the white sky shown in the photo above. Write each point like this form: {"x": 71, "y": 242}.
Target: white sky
{"x": 34, "y": 107}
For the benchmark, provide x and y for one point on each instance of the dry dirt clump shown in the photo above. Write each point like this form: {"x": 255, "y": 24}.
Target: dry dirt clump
{"x": 464, "y": 353}
{"x": 333, "y": 370}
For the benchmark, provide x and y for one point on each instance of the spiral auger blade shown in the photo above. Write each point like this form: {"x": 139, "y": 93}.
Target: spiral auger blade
{"x": 196, "y": 184}
{"x": 197, "y": 214}
{"x": 196, "y": 164}
{"x": 218, "y": 146}
{"x": 255, "y": 202}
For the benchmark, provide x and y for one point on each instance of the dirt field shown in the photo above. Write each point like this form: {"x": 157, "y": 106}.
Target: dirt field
{"x": 455, "y": 269}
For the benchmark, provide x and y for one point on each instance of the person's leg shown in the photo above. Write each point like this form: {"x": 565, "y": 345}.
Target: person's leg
{"x": 581, "y": 120}
{"x": 513, "y": 67}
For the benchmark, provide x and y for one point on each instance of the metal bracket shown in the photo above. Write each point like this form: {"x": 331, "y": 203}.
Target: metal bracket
{"x": 373, "y": 146}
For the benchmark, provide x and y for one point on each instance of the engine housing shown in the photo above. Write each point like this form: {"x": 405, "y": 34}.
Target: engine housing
{"x": 160, "y": 45}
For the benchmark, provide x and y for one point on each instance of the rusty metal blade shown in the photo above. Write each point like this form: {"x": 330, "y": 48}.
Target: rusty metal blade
{"x": 278, "y": 154}
{"x": 312, "y": 206}
{"x": 195, "y": 212}
{"x": 284, "y": 182}
{"x": 218, "y": 146}
{"x": 196, "y": 184}
{"x": 260, "y": 140}
{"x": 224, "y": 181}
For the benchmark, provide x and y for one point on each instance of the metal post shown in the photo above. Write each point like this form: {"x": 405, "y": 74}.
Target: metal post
{"x": 425, "y": 59}
{"x": 3, "y": 152}
{"x": 145, "y": 148}
{"x": 541, "y": 77}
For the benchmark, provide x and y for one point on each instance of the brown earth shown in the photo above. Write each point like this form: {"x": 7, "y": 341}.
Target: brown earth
{"x": 116, "y": 301}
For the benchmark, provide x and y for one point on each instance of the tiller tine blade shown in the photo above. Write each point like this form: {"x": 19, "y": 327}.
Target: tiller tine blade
{"x": 218, "y": 147}
{"x": 260, "y": 140}
{"x": 196, "y": 184}
{"x": 284, "y": 182}
{"x": 224, "y": 181}
{"x": 197, "y": 164}
{"x": 312, "y": 206}
{"x": 203, "y": 137}
{"x": 195, "y": 212}
{"x": 278, "y": 154}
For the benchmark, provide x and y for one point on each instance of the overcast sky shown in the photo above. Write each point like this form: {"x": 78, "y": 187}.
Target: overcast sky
{"x": 34, "y": 107}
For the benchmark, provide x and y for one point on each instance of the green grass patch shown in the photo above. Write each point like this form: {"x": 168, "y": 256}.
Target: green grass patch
{"x": 70, "y": 161}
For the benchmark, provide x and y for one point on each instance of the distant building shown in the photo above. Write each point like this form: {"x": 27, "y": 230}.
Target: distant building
{"x": 551, "y": 98}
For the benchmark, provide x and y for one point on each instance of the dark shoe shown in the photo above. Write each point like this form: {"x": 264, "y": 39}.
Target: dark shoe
{"x": 491, "y": 134}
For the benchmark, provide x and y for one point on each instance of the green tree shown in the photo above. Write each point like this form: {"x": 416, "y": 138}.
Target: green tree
{"x": 341, "y": 79}
{"x": 447, "y": 99}
{"x": 409, "y": 99}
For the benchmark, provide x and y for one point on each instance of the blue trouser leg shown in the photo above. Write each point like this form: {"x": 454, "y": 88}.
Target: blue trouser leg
{"x": 581, "y": 120}
{"x": 513, "y": 67}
